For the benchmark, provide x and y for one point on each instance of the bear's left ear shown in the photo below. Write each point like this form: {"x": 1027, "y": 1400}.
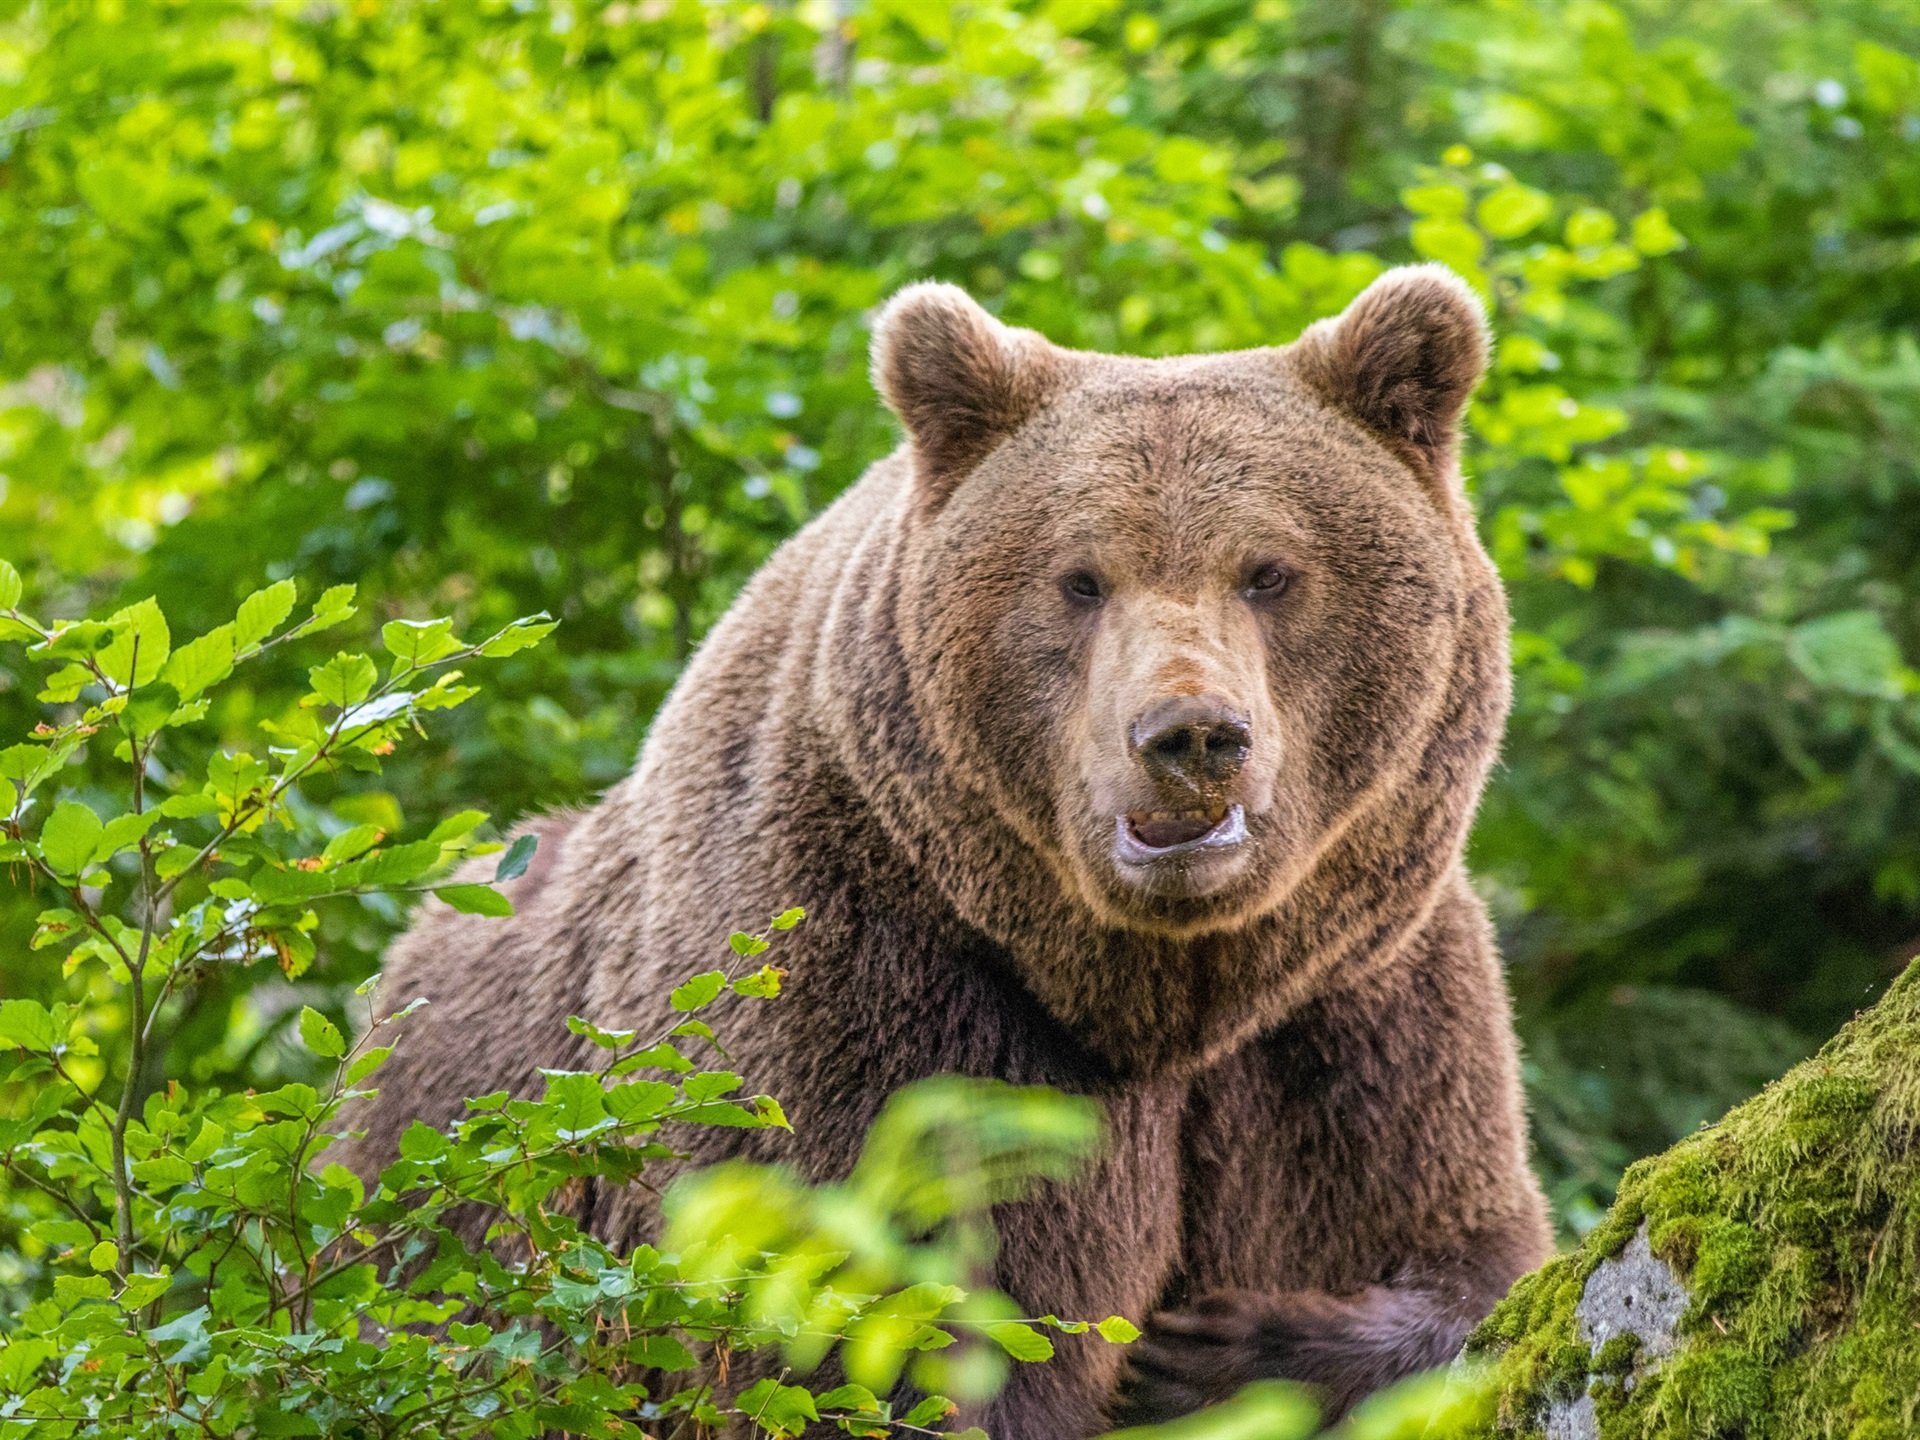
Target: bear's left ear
{"x": 960, "y": 381}
{"x": 1402, "y": 360}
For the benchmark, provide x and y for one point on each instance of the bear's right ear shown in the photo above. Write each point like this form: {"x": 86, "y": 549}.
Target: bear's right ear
{"x": 960, "y": 381}
{"x": 1402, "y": 360}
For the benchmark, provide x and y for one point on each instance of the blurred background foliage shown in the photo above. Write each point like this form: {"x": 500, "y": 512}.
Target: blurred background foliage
{"x": 504, "y": 307}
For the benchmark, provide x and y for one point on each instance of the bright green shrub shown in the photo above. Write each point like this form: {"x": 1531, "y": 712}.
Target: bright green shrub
{"x": 496, "y": 308}
{"x": 192, "y": 1262}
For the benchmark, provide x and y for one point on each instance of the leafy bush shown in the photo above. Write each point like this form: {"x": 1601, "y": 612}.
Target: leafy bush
{"x": 503, "y": 308}
{"x": 190, "y": 1260}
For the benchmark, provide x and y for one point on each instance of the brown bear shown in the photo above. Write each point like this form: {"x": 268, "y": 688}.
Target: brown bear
{"x": 1120, "y": 733}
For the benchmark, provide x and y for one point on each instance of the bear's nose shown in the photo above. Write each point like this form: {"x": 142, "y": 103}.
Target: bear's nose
{"x": 1197, "y": 740}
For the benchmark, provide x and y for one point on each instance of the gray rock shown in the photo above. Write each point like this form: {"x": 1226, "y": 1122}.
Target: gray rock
{"x": 1633, "y": 1293}
{"x": 1573, "y": 1420}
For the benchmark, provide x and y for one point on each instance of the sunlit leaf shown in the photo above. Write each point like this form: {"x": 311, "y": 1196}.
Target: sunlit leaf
{"x": 475, "y": 899}
{"x": 321, "y": 1035}
{"x": 70, "y": 837}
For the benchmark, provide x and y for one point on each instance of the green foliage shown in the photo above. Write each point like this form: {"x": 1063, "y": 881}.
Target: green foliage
{"x": 1455, "y": 1402}
{"x": 499, "y": 309}
{"x": 193, "y": 1259}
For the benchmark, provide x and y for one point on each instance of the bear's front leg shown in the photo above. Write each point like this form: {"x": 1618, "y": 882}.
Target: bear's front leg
{"x": 1342, "y": 1346}
{"x": 1364, "y": 1197}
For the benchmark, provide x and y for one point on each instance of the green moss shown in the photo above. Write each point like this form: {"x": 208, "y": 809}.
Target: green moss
{"x": 1610, "y": 1396}
{"x": 1616, "y": 1357}
{"x": 1795, "y": 1223}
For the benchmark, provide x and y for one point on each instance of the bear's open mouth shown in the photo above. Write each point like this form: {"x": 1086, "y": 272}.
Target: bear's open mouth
{"x": 1149, "y": 835}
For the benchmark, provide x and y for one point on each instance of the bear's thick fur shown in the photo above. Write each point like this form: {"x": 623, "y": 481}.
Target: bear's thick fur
{"x": 1120, "y": 733}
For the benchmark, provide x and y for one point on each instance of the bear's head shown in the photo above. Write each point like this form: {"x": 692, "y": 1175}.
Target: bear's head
{"x": 1207, "y": 634}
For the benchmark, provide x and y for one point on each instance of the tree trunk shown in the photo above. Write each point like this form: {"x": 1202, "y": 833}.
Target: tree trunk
{"x": 1760, "y": 1279}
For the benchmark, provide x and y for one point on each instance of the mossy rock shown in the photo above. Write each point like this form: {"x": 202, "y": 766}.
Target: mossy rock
{"x": 1792, "y": 1231}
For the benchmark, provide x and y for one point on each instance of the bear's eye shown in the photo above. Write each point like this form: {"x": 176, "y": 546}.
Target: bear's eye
{"x": 1083, "y": 588}
{"x": 1266, "y": 582}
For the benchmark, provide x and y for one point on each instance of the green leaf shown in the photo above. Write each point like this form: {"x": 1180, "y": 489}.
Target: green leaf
{"x": 70, "y": 837}
{"x": 770, "y": 1113}
{"x": 930, "y": 1411}
{"x": 71, "y": 1289}
{"x": 1118, "y": 1330}
{"x": 725, "y": 1114}
{"x": 152, "y": 710}
{"x": 202, "y": 662}
{"x": 366, "y": 1064}
{"x": 1447, "y": 202}
{"x": 140, "y": 645}
{"x": 1020, "y": 1340}
{"x": 188, "y": 807}
{"x": 457, "y": 826}
{"x": 143, "y": 1290}
{"x": 520, "y": 635}
{"x": 787, "y": 919}
{"x": 579, "y": 1103}
{"x": 210, "y": 1139}
{"x": 1512, "y": 210}
{"x": 124, "y": 830}
{"x": 699, "y": 992}
{"x": 351, "y": 843}
{"x": 849, "y": 1397}
{"x": 162, "y": 1171}
{"x": 104, "y": 1256}
{"x": 333, "y": 606}
{"x": 394, "y": 865}
{"x": 632, "y": 1102}
{"x": 417, "y": 643}
{"x": 744, "y": 945}
{"x": 445, "y": 693}
{"x": 345, "y": 680}
{"x": 29, "y": 1025}
{"x": 762, "y": 984}
{"x": 475, "y": 899}
{"x": 420, "y": 1141}
{"x": 261, "y": 613}
{"x": 78, "y": 640}
{"x": 1452, "y": 242}
{"x": 711, "y": 1085}
{"x": 283, "y": 1424}
{"x": 1589, "y": 226}
{"x": 10, "y": 586}
{"x": 188, "y": 1331}
{"x": 660, "y": 1352}
{"x": 65, "y": 684}
{"x": 1653, "y": 233}
{"x": 1850, "y": 651}
{"x": 20, "y": 1358}
{"x": 655, "y": 1057}
{"x": 321, "y": 1035}
{"x": 1889, "y": 79}
{"x": 775, "y": 1408}
{"x": 605, "y": 1039}
{"x": 519, "y": 855}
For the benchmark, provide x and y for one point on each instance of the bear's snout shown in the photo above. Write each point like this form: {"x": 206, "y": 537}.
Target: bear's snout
{"x": 1196, "y": 742}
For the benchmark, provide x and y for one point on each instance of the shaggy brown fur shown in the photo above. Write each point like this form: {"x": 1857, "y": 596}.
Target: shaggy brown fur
{"x": 922, "y": 719}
